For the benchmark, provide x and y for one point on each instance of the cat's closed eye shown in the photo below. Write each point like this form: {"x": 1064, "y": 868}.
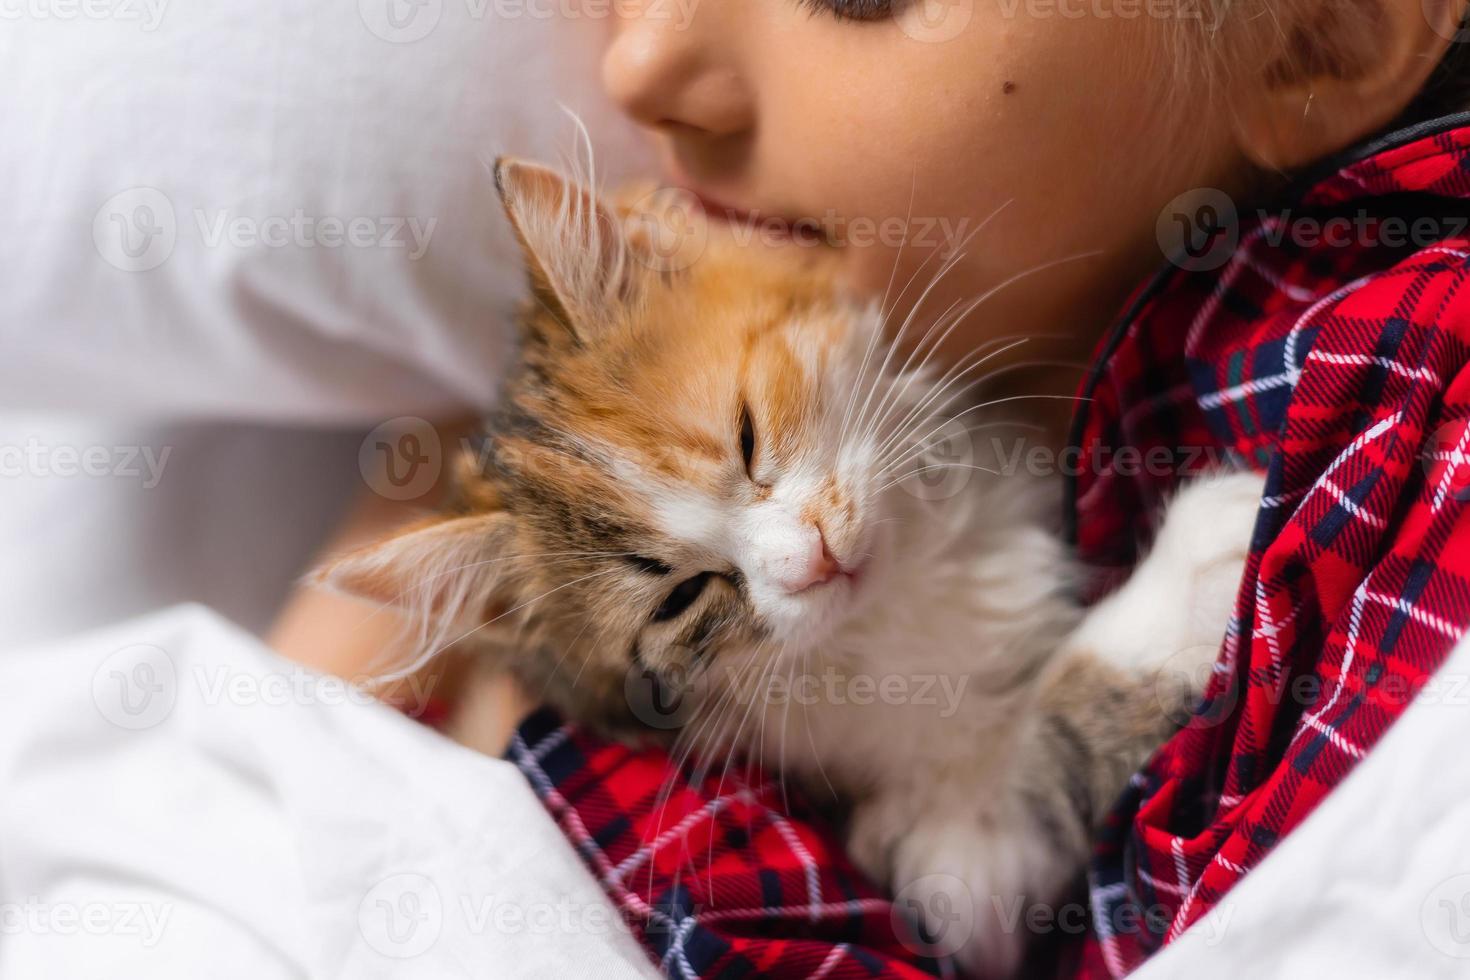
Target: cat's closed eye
{"x": 682, "y": 597}
{"x": 747, "y": 440}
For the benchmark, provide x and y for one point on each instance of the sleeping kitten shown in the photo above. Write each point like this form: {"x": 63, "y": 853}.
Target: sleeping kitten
{"x": 706, "y": 473}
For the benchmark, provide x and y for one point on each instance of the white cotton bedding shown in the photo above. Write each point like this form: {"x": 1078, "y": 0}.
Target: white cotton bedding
{"x": 176, "y": 802}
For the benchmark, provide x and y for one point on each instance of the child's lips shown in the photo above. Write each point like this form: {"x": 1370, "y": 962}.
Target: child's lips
{"x": 731, "y": 214}
{"x": 780, "y": 227}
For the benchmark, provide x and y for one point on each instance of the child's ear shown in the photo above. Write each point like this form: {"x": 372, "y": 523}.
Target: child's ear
{"x": 580, "y": 256}
{"x": 440, "y": 568}
{"x": 1338, "y": 71}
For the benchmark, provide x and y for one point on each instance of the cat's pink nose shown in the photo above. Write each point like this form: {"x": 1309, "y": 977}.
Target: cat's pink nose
{"x": 815, "y": 567}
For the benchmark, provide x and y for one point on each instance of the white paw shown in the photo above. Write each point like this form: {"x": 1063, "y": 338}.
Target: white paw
{"x": 873, "y": 834}
{"x": 1176, "y": 604}
{"x": 974, "y": 885}
{"x": 1202, "y": 548}
{"x": 1211, "y": 519}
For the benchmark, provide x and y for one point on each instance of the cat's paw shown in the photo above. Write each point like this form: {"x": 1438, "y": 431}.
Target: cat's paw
{"x": 1176, "y": 604}
{"x": 948, "y": 877}
{"x": 974, "y": 888}
{"x": 1206, "y": 537}
{"x": 873, "y": 833}
{"x": 1201, "y": 552}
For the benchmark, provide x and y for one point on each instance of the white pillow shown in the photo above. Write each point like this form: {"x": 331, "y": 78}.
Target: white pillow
{"x": 269, "y": 209}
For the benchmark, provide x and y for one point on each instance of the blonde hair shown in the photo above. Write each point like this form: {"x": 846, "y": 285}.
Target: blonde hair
{"x": 1277, "y": 40}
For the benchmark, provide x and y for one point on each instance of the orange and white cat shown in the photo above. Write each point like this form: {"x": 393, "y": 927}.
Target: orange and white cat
{"x": 705, "y": 472}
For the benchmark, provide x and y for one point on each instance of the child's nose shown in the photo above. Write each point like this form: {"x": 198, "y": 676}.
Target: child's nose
{"x": 664, "y": 74}
{"x": 811, "y": 565}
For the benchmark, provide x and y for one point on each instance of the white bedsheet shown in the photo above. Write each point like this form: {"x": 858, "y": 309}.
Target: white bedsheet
{"x": 177, "y": 802}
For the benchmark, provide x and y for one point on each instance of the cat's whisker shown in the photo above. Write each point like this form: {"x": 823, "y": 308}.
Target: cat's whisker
{"x": 939, "y": 466}
{"x": 877, "y": 332}
{"x": 943, "y": 388}
{"x": 736, "y": 741}
{"x": 904, "y": 373}
{"x": 810, "y": 738}
{"x": 938, "y": 344}
{"x": 953, "y": 257}
{"x": 785, "y": 729}
{"x": 577, "y": 678}
{"x": 967, "y": 430}
{"x": 980, "y": 407}
{"x": 1011, "y": 280}
{"x": 908, "y": 435}
{"x": 927, "y": 413}
{"x": 896, "y": 341}
{"x": 681, "y": 751}
{"x": 928, "y": 420}
{"x": 562, "y": 659}
{"x": 732, "y": 743}
{"x": 902, "y": 433}
{"x": 396, "y": 604}
{"x": 898, "y": 255}
{"x": 425, "y": 658}
{"x": 921, "y": 444}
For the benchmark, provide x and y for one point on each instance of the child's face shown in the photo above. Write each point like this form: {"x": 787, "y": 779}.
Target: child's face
{"x": 1053, "y": 127}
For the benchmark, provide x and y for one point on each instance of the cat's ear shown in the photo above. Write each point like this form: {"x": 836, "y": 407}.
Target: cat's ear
{"x": 439, "y": 569}
{"x": 581, "y": 258}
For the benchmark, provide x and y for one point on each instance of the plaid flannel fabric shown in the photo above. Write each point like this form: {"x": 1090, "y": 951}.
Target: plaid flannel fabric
{"x": 721, "y": 878}
{"x": 1332, "y": 350}
{"x": 1335, "y": 362}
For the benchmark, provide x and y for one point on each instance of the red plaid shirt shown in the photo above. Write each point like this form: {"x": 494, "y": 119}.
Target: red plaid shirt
{"x": 1328, "y": 346}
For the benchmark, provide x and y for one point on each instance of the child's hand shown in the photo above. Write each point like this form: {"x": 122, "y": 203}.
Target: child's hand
{"x": 350, "y": 638}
